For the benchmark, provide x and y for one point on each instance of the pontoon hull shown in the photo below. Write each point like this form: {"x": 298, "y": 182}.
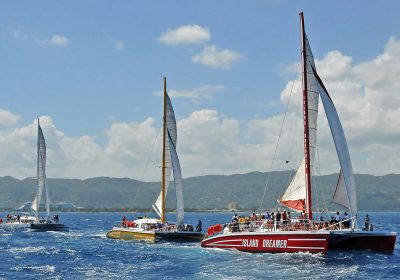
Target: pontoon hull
{"x": 14, "y": 226}
{"x": 378, "y": 241}
{"x": 126, "y": 234}
{"x": 179, "y": 236}
{"x": 48, "y": 227}
{"x": 271, "y": 242}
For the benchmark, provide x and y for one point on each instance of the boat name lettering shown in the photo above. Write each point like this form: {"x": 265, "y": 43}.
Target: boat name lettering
{"x": 250, "y": 242}
{"x": 267, "y": 243}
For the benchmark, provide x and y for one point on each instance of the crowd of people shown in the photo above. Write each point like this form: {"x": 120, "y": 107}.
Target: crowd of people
{"x": 284, "y": 221}
{"x": 26, "y": 219}
{"x": 163, "y": 227}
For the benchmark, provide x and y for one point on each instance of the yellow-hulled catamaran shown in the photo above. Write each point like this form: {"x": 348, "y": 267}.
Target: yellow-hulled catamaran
{"x": 152, "y": 229}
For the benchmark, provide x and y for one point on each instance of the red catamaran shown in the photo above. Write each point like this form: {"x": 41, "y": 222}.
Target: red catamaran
{"x": 305, "y": 234}
{"x": 344, "y": 235}
{"x": 301, "y": 236}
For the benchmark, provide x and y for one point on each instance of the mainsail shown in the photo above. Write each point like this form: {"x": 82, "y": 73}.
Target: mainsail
{"x": 178, "y": 184}
{"x": 341, "y": 146}
{"x": 171, "y": 163}
{"x": 41, "y": 174}
{"x": 345, "y": 194}
{"x": 295, "y": 195}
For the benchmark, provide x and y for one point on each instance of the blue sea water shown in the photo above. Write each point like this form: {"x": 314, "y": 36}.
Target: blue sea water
{"x": 85, "y": 253}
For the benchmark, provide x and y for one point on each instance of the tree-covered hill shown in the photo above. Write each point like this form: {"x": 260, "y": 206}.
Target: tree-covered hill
{"x": 212, "y": 192}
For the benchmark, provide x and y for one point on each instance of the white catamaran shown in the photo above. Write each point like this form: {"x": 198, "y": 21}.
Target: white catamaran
{"x": 45, "y": 224}
{"x": 152, "y": 229}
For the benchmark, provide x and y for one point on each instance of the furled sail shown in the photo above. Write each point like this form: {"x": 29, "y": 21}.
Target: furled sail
{"x": 41, "y": 174}
{"x": 170, "y": 135}
{"x": 340, "y": 144}
{"x": 295, "y": 195}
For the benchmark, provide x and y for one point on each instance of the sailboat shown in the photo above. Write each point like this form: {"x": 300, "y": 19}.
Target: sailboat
{"x": 152, "y": 229}
{"x": 45, "y": 224}
{"x": 344, "y": 235}
{"x": 264, "y": 235}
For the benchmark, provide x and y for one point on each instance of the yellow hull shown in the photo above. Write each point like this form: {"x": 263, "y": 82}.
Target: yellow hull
{"x": 131, "y": 235}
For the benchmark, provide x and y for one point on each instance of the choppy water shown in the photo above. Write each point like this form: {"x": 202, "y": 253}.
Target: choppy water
{"x": 85, "y": 253}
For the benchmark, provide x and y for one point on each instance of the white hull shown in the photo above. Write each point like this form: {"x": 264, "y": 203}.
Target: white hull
{"x": 15, "y": 226}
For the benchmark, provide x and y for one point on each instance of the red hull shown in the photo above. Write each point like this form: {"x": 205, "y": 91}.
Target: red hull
{"x": 363, "y": 240}
{"x": 271, "y": 242}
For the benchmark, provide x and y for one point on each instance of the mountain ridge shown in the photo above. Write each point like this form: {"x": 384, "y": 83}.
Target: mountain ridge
{"x": 208, "y": 192}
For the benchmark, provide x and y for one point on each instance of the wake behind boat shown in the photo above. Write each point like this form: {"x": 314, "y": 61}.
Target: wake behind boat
{"x": 153, "y": 229}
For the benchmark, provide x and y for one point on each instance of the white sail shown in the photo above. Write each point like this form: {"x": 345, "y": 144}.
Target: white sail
{"x": 295, "y": 195}
{"x": 41, "y": 174}
{"x": 340, "y": 144}
{"x": 170, "y": 135}
{"x": 313, "y": 99}
{"x": 340, "y": 196}
{"x": 180, "y": 213}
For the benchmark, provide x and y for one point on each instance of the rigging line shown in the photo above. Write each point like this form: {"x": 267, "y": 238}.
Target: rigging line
{"x": 295, "y": 142}
{"x": 147, "y": 163}
{"x": 324, "y": 206}
{"x": 280, "y": 133}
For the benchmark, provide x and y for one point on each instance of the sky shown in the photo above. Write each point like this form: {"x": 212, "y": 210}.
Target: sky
{"x": 92, "y": 72}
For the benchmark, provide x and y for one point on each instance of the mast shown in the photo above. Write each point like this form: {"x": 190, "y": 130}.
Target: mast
{"x": 163, "y": 152}
{"x": 305, "y": 121}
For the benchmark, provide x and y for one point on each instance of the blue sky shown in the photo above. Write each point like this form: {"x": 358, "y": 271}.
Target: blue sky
{"x": 89, "y": 66}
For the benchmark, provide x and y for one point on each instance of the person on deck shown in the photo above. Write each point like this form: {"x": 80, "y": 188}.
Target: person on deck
{"x": 346, "y": 221}
{"x": 199, "y": 226}
{"x": 278, "y": 217}
{"x": 367, "y": 224}
{"x": 337, "y": 217}
{"x": 284, "y": 217}
{"x": 301, "y": 217}
{"x": 234, "y": 218}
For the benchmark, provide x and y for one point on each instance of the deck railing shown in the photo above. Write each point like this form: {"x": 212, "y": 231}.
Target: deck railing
{"x": 286, "y": 225}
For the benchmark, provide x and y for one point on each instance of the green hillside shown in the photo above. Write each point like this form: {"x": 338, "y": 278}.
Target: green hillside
{"x": 212, "y": 192}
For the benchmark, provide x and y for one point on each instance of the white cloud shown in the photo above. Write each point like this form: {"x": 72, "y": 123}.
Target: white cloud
{"x": 58, "y": 40}
{"x": 205, "y": 91}
{"x": 185, "y": 34}
{"x": 368, "y": 103}
{"x": 213, "y": 57}
{"x": 366, "y": 96}
{"x": 119, "y": 46}
{"x": 55, "y": 40}
{"x": 7, "y": 118}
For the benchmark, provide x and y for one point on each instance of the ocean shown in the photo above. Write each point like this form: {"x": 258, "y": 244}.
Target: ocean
{"x": 86, "y": 253}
